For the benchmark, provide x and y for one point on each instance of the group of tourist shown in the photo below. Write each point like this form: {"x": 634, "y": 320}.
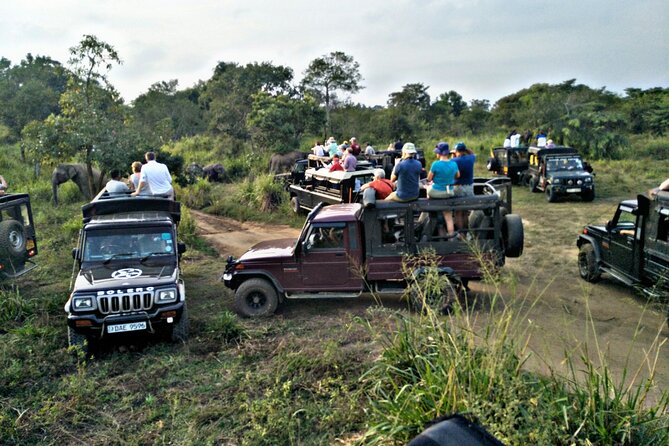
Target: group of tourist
{"x": 152, "y": 178}
{"x": 343, "y": 156}
{"x": 514, "y": 139}
{"x": 451, "y": 175}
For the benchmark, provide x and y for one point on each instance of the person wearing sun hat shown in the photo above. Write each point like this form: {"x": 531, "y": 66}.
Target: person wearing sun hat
{"x": 406, "y": 175}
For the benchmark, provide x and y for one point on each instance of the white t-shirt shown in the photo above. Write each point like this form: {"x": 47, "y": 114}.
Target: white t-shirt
{"x": 157, "y": 176}
{"x": 116, "y": 187}
{"x": 369, "y": 151}
{"x": 319, "y": 150}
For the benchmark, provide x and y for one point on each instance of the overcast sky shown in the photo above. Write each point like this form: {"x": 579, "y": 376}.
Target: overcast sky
{"x": 483, "y": 49}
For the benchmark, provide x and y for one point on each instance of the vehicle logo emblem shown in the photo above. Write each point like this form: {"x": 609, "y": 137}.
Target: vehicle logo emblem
{"x": 126, "y": 273}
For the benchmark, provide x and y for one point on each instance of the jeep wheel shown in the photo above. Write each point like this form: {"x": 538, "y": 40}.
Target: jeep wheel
{"x": 513, "y": 235}
{"x": 551, "y": 196}
{"x": 588, "y": 194}
{"x": 180, "y": 329}
{"x": 532, "y": 183}
{"x": 478, "y": 221}
{"x": 587, "y": 264}
{"x": 256, "y": 298}
{"x": 295, "y": 205}
{"x": 492, "y": 164}
{"x": 78, "y": 340}
{"x": 13, "y": 242}
{"x": 422, "y": 300}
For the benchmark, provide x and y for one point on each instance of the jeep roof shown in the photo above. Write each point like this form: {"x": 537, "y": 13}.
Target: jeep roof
{"x": 342, "y": 212}
{"x": 337, "y": 176}
{"x": 124, "y": 204}
{"x": 557, "y": 150}
{"x": 131, "y": 217}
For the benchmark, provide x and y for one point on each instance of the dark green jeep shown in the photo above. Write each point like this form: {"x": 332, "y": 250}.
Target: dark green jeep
{"x": 559, "y": 171}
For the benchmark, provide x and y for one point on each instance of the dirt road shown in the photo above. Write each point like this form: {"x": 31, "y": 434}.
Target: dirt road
{"x": 562, "y": 312}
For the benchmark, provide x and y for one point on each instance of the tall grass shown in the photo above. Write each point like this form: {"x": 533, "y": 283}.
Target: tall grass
{"x": 433, "y": 366}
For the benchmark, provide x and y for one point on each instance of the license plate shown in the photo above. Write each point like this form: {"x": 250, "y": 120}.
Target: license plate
{"x": 133, "y": 326}
{"x": 574, "y": 189}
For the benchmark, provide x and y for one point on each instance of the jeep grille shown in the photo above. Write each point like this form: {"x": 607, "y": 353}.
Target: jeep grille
{"x": 125, "y": 302}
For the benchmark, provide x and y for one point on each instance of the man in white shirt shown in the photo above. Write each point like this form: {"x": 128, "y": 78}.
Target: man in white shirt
{"x": 156, "y": 177}
{"x": 115, "y": 186}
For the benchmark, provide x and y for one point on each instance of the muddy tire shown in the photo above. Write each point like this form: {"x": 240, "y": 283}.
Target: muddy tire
{"x": 181, "y": 328}
{"x": 441, "y": 301}
{"x": 13, "y": 242}
{"x": 256, "y": 298}
{"x": 587, "y": 263}
{"x": 551, "y": 196}
{"x": 513, "y": 235}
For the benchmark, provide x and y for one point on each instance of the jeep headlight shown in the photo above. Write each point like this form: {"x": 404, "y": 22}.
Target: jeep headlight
{"x": 83, "y": 303}
{"x": 166, "y": 296}
{"x": 579, "y": 182}
{"x": 556, "y": 181}
{"x": 588, "y": 179}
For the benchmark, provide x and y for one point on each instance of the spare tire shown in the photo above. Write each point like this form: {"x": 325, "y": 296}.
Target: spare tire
{"x": 513, "y": 235}
{"x": 12, "y": 241}
{"x": 492, "y": 164}
{"x": 478, "y": 220}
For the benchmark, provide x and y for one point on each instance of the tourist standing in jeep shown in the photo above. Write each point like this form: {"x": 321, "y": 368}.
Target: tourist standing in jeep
{"x": 406, "y": 175}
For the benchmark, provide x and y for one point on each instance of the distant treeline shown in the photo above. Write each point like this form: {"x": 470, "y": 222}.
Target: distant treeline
{"x": 72, "y": 111}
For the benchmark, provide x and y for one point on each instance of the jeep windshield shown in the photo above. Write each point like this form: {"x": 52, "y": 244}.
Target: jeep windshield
{"x": 562, "y": 164}
{"x": 107, "y": 245}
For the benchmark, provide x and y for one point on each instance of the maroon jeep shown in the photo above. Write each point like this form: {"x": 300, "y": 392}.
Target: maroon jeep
{"x": 347, "y": 249}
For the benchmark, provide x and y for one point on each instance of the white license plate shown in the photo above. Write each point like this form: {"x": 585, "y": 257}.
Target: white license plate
{"x": 133, "y": 326}
{"x": 574, "y": 189}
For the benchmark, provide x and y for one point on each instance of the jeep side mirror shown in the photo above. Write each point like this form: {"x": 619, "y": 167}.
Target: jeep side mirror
{"x": 305, "y": 246}
{"x": 181, "y": 247}
{"x": 75, "y": 253}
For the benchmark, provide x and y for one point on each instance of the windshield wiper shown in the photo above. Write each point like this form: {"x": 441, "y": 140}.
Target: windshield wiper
{"x": 119, "y": 254}
{"x": 151, "y": 254}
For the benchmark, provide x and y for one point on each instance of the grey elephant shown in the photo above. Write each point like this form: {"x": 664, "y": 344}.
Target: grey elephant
{"x": 214, "y": 173}
{"x": 193, "y": 172}
{"x": 283, "y": 162}
{"x": 77, "y": 173}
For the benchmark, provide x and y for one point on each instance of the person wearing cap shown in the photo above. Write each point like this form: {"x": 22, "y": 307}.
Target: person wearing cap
{"x": 380, "y": 184}
{"x": 464, "y": 184}
{"x": 336, "y": 165}
{"x": 406, "y": 175}
{"x": 355, "y": 147}
{"x": 442, "y": 175}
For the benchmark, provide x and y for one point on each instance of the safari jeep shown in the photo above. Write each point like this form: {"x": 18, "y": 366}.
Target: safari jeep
{"x": 559, "y": 171}
{"x": 633, "y": 247}
{"x": 126, "y": 273}
{"x": 509, "y": 161}
{"x": 18, "y": 243}
{"x": 347, "y": 249}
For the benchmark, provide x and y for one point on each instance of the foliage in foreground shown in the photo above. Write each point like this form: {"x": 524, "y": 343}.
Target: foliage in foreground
{"x": 434, "y": 366}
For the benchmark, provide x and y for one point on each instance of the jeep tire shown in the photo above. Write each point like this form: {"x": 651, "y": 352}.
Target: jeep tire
{"x": 13, "y": 242}
{"x": 551, "y": 196}
{"x": 256, "y": 298}
{"x": 587, "y": 264}
{"x": 180, "y": 329}
{"x": 77, "y": 340}
{"x": 478, "y": 221}
{"x": 532, "y": 183}
{"x": 295, "y": 205}
{"x": 513, "y": 235}
{"x": 588, "y": 194}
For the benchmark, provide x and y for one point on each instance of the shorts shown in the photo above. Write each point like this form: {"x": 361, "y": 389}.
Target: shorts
{"x": 393, "y": 197}
{"x": 434, "y": 193}
{"x": 464, "y": 190}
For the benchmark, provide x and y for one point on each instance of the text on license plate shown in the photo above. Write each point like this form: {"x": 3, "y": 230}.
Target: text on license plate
{"x": 574, "y": 189}
{"x": 133, "y": 326}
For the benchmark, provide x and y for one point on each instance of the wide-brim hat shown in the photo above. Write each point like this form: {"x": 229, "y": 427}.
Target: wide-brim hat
{"x": 409, "y": 148}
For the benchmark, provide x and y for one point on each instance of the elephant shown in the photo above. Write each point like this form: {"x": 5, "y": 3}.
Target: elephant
{"x": 214, "y": 173}
{"x": 283, "y": 162}
{"x": 193, "y": 172}
{"x": 77, "y": 173}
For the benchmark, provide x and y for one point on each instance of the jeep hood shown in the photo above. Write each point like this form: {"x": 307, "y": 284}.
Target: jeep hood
{"x": 270, "y": 249}
{"x": 577, "y": 174}
{"x": 114, "y": 276}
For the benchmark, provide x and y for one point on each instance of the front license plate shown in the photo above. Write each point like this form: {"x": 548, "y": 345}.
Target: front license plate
{"x": 134, "y": 326}
{"x": 574, "y": 189}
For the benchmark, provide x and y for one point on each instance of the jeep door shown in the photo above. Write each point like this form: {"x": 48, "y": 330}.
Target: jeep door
{"x": 331, "y": 258}
{"x": 623, "y": 232}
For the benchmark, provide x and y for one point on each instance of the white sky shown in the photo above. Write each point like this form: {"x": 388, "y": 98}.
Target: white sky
{"x": 483, "y": 49}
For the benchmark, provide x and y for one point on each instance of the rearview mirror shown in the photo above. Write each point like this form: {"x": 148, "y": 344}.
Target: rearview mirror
{"x": 181, "y": 247}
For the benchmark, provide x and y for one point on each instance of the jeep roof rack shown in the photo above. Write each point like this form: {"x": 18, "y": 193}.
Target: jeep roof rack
{"x": 124, "y": 204}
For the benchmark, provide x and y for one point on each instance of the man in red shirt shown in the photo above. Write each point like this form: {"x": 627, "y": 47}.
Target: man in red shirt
{"x": 336, "y": 165}
{"x": 382, "y": 186}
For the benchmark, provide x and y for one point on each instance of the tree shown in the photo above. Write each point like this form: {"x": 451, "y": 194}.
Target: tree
{"x": 329, "y": 73}
{"x": 277, "y": 122}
